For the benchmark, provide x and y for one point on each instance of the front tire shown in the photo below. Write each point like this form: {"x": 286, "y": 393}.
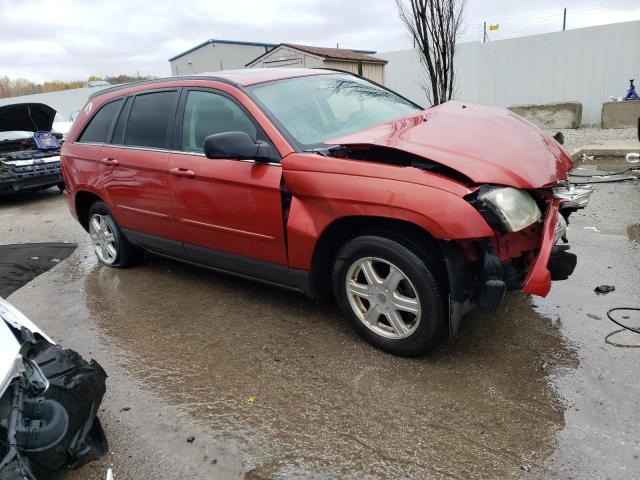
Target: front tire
{"x": 109, "y": 244}
{"x": 392, "y": 293}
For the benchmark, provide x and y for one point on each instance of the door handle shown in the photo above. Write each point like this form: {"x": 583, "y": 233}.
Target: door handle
{"x": 182, "y": 172}
{"x": 110, "y": 161}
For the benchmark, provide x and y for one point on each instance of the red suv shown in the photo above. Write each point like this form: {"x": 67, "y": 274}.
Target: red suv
{"x": 320, "y": 181}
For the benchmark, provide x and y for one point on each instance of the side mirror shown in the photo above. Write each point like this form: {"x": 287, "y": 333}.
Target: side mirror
{"x": 238, "y": 146}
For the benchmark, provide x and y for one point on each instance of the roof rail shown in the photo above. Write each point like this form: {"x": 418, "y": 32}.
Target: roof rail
{"x": 163, "y": 80}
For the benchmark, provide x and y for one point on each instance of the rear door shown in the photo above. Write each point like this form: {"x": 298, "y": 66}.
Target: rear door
{"x": 224, "y": 206}
{"x": 135, "y": 170}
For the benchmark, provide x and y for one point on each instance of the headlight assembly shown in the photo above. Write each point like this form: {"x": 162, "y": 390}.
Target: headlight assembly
{"x": 515, "y": 209}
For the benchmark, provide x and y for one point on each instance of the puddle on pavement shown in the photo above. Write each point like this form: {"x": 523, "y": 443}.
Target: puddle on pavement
{"x": 327, "y": 404}
{"x": 21, "y": 263}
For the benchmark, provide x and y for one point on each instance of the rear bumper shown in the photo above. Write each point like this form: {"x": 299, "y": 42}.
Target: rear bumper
{"x": 69, "y": 200}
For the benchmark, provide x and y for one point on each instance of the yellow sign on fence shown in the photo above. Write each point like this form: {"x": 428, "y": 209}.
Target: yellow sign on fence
{"x": 494, "y": 27}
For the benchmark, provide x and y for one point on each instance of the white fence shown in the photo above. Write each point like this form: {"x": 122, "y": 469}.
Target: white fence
{"x": 587, "y": 65}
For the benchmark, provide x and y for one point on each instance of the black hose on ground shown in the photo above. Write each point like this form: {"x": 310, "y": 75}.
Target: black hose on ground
{"x": 631, "y": 309}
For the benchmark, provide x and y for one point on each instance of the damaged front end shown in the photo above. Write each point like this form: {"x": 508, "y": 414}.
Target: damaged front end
{"x": 528, "y": 251}
{"x": 49, "y": 400}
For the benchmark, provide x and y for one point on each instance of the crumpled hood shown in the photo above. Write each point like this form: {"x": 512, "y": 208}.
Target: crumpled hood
{"x": 486, "y": 144}
{"x": 28, "y": 117}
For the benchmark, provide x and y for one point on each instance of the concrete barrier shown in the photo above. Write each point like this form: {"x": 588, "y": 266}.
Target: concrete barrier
{"x": 620, "y": 114}
{"x": 551, "y": 115}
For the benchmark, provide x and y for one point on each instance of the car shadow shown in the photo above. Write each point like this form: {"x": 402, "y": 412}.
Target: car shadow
{"x": 29, "y": 197}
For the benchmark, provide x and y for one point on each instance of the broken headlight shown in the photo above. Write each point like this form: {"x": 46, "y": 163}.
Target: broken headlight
{"x": 515, "y": 209}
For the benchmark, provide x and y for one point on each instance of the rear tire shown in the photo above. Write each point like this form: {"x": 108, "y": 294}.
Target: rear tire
{"x": 109, "y": 244}
{"x": 392, "y": 293}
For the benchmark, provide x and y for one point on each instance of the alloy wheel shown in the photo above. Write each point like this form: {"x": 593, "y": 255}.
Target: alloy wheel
{"x": 103, "y": 238}
{"x": 383, "y": 298}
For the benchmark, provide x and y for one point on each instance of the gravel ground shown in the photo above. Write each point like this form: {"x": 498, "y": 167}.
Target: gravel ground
{"x": 582, "y": 137}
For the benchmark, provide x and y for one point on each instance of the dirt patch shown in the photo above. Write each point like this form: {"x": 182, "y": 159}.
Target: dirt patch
{"x": 21, "y": 263}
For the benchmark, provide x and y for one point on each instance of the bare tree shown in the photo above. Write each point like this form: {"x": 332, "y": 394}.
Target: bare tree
{"x": 434, "y": 26}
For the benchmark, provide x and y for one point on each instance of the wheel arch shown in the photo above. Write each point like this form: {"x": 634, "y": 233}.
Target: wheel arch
{"x": 341, "y": 230}
{"x": 83, "y": 201}
{"x": 455, "y": 273}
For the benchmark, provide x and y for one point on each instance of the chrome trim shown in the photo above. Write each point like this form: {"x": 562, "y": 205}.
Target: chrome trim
{"x": 198, "y": 154}
{"x": 143, "y": 212}
{"x": 572, "y": 196}
{"x": 234, "y": 231}
{"x": 180, "y": 152}
{"x": 122, "y": 147}
{"x": 133, "y": 147}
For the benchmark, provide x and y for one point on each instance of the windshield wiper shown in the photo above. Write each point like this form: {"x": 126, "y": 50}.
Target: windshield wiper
{"x": 329, "y": 151}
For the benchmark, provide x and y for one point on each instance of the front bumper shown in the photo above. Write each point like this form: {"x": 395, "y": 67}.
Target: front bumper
{"x": 28, "y": 175}
{"x": 538, "y": 280}
{"x": 555, "y": 262}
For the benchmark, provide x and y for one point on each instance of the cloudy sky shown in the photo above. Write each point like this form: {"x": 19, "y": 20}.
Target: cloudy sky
{"x": 72, "y": 39}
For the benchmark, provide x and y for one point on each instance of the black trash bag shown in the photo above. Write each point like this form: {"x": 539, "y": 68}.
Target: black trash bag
{"x": 59, "y": 428}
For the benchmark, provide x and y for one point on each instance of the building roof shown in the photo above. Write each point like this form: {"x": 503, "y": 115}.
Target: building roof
{"x": 328, "y": 53}
{"x": 227, "y": 42}
{"x": 338, "y": 53}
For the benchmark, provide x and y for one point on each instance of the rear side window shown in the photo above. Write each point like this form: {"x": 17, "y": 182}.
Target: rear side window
{"x": 149, "y": 120}
{"x": 98, "y": 128}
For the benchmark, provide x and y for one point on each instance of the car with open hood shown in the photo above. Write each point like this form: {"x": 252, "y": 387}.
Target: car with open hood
{"x": 323, "y": 182}
{"x": 29, "y": 149}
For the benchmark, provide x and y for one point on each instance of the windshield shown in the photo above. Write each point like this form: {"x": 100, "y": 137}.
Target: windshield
{"x": 317, "y": 108}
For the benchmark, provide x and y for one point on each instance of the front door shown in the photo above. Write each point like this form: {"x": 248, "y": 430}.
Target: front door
{"x": 226, "y": 211}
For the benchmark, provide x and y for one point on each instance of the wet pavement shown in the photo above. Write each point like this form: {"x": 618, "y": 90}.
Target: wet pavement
{"x": 272, "y": 385}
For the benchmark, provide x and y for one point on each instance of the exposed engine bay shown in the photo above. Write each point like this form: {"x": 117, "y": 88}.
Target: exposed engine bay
{"x": 29, "y": 150}
{"x": 49, "y": 400}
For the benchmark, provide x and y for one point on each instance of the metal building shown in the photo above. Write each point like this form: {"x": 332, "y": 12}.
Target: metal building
{"x": 215, "y": 55}
{"x": 354, "y": 61}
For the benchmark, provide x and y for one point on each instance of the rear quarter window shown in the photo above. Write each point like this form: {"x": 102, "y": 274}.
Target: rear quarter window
{"x": 98, "y": 127}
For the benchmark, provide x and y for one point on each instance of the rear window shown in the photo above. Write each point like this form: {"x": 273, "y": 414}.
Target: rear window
{"x": 98, "y": 128}
{"x": 149, "y": 120}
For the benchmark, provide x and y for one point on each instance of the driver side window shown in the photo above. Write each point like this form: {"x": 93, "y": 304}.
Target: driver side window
{"x": 206, "y": 113}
